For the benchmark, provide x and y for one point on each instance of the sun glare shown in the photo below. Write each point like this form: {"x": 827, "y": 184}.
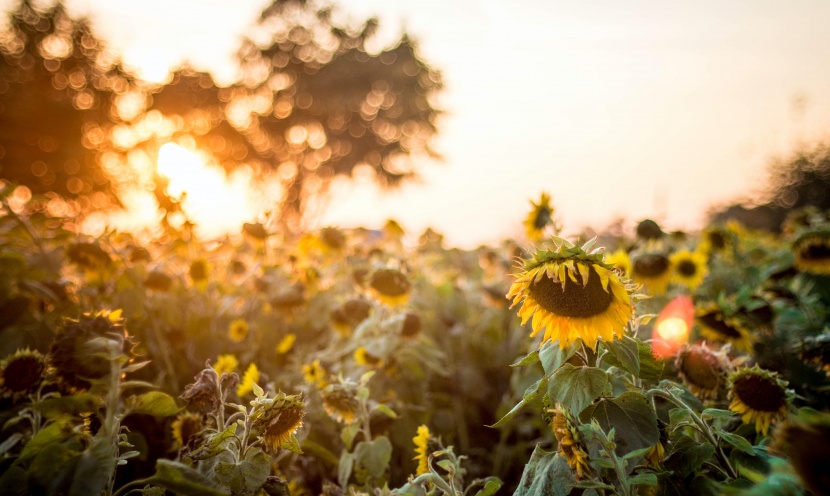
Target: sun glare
{"x": 217, "y": 203}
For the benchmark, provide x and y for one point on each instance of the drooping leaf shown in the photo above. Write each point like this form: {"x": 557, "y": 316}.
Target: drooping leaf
{"x": 531, "y": 393}
{"x": 214, "y": 445}
{"x": 576, "y": 387}
{"x": 545, "y": 474}
{"x": 632, "y": 418}
{"x": 184, "y": 480}
{"x": 688, "y": 456}
{"x": 153, "y": 403}
{"x": 737, "y": 441}
{"x": 247, "y": 476}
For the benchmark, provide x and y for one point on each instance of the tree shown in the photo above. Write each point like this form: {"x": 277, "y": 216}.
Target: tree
{"x": 57, "y": 91}
{"x": 311, "y": 103}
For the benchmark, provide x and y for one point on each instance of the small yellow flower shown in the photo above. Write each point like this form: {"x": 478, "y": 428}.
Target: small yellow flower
{"x": 363, "y": 357}
{"x": 540, "y": 216}
{"x": 688, "y": 268}
{"x": 286, "y": 343}
{"x": 238, "y": 330}
{"x": 421, "y": 441}
{"x": 226, "y": 364}
{"x": 315, "y": 374}
{"x": 247, "y": 385}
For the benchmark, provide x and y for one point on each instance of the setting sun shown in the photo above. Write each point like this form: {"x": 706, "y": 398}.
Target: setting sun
{"x": 216, "y": 202}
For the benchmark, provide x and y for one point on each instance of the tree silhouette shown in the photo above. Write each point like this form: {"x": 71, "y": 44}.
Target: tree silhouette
{"x": 57, "y": 91}
{"x": 311, "y": 103}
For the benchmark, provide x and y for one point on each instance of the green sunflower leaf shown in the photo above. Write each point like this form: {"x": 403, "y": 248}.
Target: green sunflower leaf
{"x": 94, "y": 469}
{"x": 631, "y": 416}
{"x": 374, "y": 455}
{"x": 576, "y": 387}
{"x": 546, "y": 473}
{"x": 153, "y": 403}
{"x": 624, "y": 353}
{"x": 531, "y": 393}
{"x": 184, "y": 480}
{"x": 687, "y": 456}
{"x": 528, "y": 359}
{"x": 736, "y": 441}
{"x": 552, "y": 357}
{"x": 491, "y": 486}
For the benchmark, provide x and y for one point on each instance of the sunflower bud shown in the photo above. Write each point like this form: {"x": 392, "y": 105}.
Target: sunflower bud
{"x": 203, "y": 395}
{"x": 701, "y": 369}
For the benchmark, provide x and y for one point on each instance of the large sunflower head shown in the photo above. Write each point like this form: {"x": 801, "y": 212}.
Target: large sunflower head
{"x": 78, "y": 356}
{"x": 571, "y": 447}
{"x": 540, "y": 216}
{"x": 572, "y": 294}
{"x": 811, "y": 250}
{"x": 277, "y": 419}
{"x": 716, "y": 326}
{"x": 652, "y": 270}
{"x": 340, "y": 401}
{"x": 688, "y": 268}
{"x": 759, "y": 396}
{"x": 702, "y": 369}
{"x": 21, "y": 373}
{"x": 804, "y": 439}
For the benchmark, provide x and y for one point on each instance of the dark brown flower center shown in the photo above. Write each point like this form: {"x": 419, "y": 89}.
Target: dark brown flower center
{"x": 23, "y": 373}
{"x": 651, "y": 265}
{"x": 759, "y": 393}
{"x": 717, "y": 240}
{"x": 701, "y": 369}
{"x": 714, "y": 321}
{"x": 285, "y": 422}
{"x": 575, "y": 300}
{"x": 815, "y": 250}
{"x": 411, "y": 325}
{"x": 390, "y": 282}
{"x": 542, "y": 218}
{"x": 648, "y": 229}
{"x": 687, "y": 268}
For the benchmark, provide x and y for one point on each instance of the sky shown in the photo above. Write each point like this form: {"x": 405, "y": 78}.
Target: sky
{"x": 636, "y": 109}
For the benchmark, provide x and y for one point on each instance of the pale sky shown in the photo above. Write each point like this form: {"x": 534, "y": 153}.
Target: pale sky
{"x": 616, "y": 108}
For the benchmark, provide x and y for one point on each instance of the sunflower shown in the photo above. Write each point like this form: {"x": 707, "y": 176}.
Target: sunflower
{"x": 573, "y": 295}
{"x": 277, "y": 419}
{"x": 718, "y": 327}
{"x": 571, "y": 448}
{"x": 759, "y": 396}
{"x": 411, "y": 325}
{"x": 185, "y": 427}
{"x": 652, "y": 270}
{"x": 812, "y": 251}
{"x": 702, "y": 370}
{"x": 816, "y": 351}
{"x": 238, "y": 330}
{"x": 804, "y": 440}
{"x": 315, "y": 374}
{"x": 655, "y": 455}
{"x": 340, "y": 402}
{"x": 716, "y": 240}
{"x": 226, "y": 364}
{"x": 248, "y": 379}
{"x": 286, "y": 343}
{"x": 421, "y": 441}
{"x": 199, "y": 271}
{"x": 390, "y": 286}
{"x": 332, "y": 239}
{"x": 203, "y": 395}
{"x": 349, "y": 315}
{"x": 620, "y": 261}
{"x": 540, "y": 216}
{"x": 363, "y": 357}
{"x": 21, "y": 373}
{"x": 688, "y": 268}
{"x": 648, "y": 230}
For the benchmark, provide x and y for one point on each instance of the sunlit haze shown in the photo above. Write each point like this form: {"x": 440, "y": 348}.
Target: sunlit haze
{"x": 617, "y": 109}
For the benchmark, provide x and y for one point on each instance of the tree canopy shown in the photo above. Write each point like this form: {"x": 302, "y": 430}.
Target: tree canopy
{"x": 312, "y": 101}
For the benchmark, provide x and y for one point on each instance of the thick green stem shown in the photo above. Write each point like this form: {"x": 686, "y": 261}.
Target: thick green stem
{"x": 704, "y": 429}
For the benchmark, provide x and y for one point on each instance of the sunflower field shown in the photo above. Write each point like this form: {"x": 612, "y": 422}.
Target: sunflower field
{"x": 381, "y": 362}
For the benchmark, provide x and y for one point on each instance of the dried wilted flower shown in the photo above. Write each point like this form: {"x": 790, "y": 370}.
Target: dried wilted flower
{"x": 340, "y": 401}
{"x": 203, "y": 395}
{"x": 277, "y": 419}
{"x": 21, "y": 373}
{"x": 702, "y": 369}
